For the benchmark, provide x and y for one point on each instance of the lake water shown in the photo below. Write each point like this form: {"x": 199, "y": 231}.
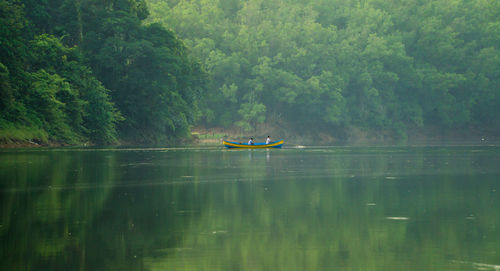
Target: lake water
{"x": 312, "y": 208}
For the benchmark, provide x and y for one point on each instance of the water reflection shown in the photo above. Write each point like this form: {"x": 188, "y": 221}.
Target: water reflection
{"x": 41, "y": 222}
{"x": 290, "y": 209}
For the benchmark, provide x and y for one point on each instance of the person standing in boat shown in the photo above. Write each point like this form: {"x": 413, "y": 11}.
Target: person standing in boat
{"x": 250, "y": 142}
{"x": 268, "y": 140}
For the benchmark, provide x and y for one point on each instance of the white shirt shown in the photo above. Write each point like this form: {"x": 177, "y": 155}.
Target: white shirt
{"x": 268, "y": 140}
{"x": 250, "y": 142}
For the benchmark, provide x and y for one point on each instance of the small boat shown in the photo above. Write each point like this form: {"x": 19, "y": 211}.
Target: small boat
{"x": 260, "y": 145}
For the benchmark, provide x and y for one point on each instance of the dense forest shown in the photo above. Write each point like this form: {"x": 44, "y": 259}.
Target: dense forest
{"x": 146, "y": 71}
{"x": 91, "y": 71}
{"x": 334, "y": 64}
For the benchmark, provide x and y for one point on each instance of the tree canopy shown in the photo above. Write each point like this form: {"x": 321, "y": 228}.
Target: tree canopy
{"x": 145, "y": 71}
{"x": 337, "y": 63}
{"x": 76, "y": 71}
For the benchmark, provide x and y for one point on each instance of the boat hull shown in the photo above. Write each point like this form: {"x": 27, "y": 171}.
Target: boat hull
{"x": 232, "y": 145}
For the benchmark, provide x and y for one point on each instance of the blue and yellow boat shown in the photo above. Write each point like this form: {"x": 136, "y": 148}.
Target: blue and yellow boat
{"x": 262, "y": 145}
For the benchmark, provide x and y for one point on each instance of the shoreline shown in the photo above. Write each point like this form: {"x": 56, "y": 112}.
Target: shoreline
{"x": 356, "y": 136}
{"x": 353, "y": 136}
{"x": 293, "y": 144}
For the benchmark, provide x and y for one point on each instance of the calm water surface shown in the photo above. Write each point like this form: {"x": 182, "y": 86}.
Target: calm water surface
{"x": 338, "y": 208}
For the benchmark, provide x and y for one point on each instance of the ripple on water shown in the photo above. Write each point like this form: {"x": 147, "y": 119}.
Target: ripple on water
{"x": 391, "y": 178}
{"x": 480, "y": 266}
{"x": 397, "y": 218}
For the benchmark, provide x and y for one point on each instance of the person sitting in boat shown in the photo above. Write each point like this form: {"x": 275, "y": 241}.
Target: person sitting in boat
{"x": 268, "y": 140}
{"x": 250, "y": 142}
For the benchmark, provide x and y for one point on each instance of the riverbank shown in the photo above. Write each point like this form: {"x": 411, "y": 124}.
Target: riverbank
{"x": 27, "y": 143}
{"x": 355, "y": 136}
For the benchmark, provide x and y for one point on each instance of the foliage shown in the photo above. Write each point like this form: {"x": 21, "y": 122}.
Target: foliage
{"x": 89, "y": 70}
{"x": 336, "y": 63}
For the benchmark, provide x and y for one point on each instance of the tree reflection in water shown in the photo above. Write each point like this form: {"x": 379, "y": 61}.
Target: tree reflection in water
{"x": 211, "y": 209}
